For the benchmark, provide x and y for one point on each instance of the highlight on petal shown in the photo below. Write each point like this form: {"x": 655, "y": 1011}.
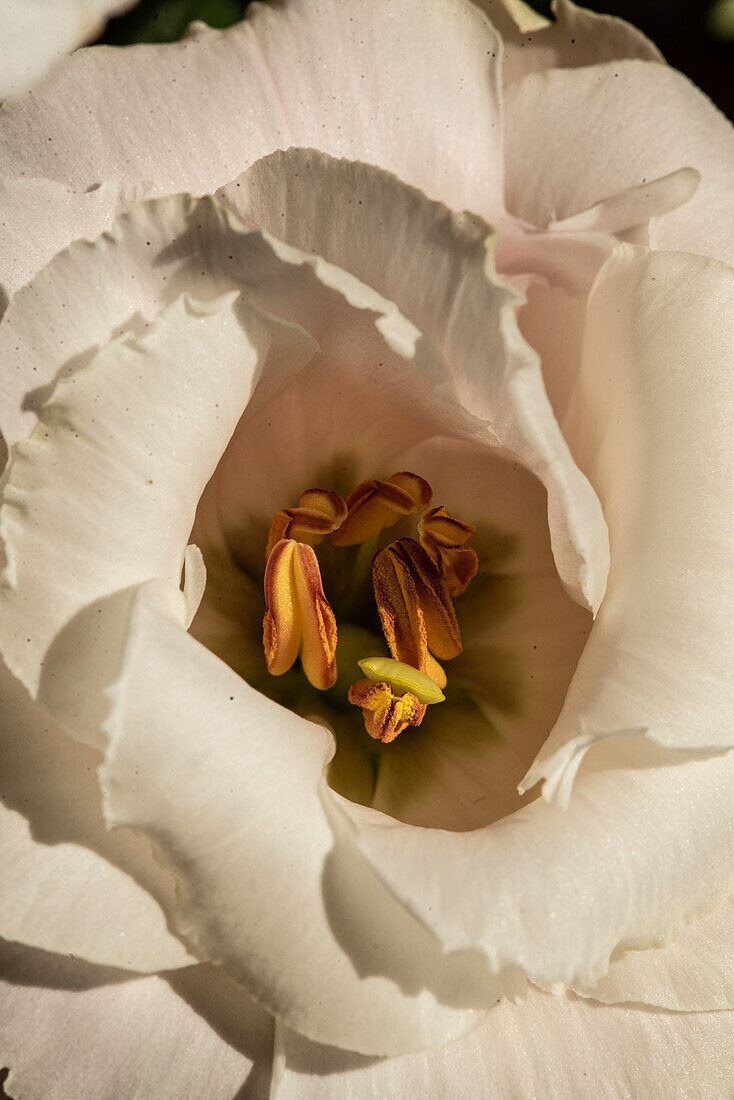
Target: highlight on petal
{"x": 576, "y": 37}
{"x": 590, "y": 141}
{"x": 366, "y": 69}
{"x": 36, "y": 36}
{"x": 655, "y": 380}
{"x": 75, "y": 543}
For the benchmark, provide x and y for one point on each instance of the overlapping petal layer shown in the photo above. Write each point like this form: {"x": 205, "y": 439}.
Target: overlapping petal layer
{"x": 390, "y": 236}
{"x": 69, "y": 885}
{"x": 270, "y": 886}
{"x": 644, "y": 847}
{"x": 589, "y": 141}
{"x": 190, "y": 1033}
{"x": 546, "y": 1046}
{"x": 649, "y": 421}
{"x": 299, "y": 73}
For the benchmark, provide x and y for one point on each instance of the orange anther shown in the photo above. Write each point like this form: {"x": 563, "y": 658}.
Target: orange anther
{"x": 377, "y": 504}
{"x": 319, "y": 512}
{"x": 385, "y": 713}
{"x": 443, "y": 538}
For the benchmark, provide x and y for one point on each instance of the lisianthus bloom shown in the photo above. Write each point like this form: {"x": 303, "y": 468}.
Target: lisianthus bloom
{"x": 366, "y": 563}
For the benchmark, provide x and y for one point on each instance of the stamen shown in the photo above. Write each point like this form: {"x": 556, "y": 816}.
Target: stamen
{"x": 401, "y": 678}
{"x": 385, "y": 713}
{"x": 377, "y": 504}
{"x": 298, "y": 615}
{"x": 319, "y": 512}
{"x": 443, "y": 538}
{"x": 414, "y": 607}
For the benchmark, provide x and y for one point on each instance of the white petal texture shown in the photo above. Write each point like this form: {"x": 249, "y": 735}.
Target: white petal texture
{"x": 190, "y": 1033}
{"x": 389, "y": 236}
{"x": 69, "y": 885}
{"x": 657, "y": 378}
{"x": 199, "y": 112}
{"x": 270, "y": 887}
{"x": 644, "y": 847}
{"x": 546, "y": 1047}
{"x": 574, "y": 38}
{"x": 590, "y": 141}
{"x": 37, "y": 34}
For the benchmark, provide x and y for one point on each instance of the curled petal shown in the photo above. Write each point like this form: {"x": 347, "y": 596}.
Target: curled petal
{"x": 377, "y": 504}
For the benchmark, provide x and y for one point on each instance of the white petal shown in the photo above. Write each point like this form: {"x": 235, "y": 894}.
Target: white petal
{"x": 596, "y": 131}
{"x": 72, "y": 1029}
{"x": 102, "y": 496}
{"x": 693, "y": 973}
{"x": 228, "y": 786}
{"x": 69, "y": 885}
{"x": 575, "y": 38}
{"x": 640, "y": 852}
{"x": 40, "y": 217}
{"x": 357, "y": 78}
{"x": 37, "y": 34}
{"x": 649, "y": 421}
{"x": 389, "y": 236}
{"x": 546, "y": 1047}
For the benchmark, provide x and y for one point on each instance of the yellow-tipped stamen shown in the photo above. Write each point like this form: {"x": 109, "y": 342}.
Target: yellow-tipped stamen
{"x": 319, "y": 512}
{"x": 401, "y": 678}
{"x": 298, "y": 615}
{"x": 385, "y": 713}
{"x": 374, "y": 505}
{"x": 443, "y": 538}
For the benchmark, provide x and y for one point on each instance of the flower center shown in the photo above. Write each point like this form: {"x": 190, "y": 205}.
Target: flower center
{"x": 413, "y": 582}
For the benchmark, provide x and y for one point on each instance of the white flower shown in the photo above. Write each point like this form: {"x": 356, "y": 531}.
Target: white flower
{"x": 329, "y": 317}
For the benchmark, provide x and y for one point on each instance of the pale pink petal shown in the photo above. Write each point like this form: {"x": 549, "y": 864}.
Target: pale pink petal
{"x": 40, "y": 217}
{"x": 644, "y": 847}
{"x": 229, "y": 787}
{"x": 575, "y": 38}
{"x": 70, "y": 1029}
{"x": 409, "y": 86}
{"x": 599, "y": 130}
{"x": 547, "y": 1046}
{"x": 37, "y": 34}
{"x": 649, "y": 421}
{"x": 102, "y": 496}
{"x": 389, "y": 236}
{"x": 69, "y": 885}
{"x": 693, "y": 973}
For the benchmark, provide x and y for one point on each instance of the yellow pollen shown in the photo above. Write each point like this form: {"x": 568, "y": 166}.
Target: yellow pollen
{"x": 414, "y": 582}
{"x": 377, "y": 504}
{"x": 298, "y": 615}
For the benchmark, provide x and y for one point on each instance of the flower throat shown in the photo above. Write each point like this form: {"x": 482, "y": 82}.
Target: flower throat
{"x": 413, "y": 580}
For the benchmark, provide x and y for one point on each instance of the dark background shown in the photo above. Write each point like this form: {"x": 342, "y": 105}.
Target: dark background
{"x": 695, "y": 36}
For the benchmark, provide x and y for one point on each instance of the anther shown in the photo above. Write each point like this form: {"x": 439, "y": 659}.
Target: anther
{"x": 298, "y": 615}
{"x": 385, "y": 713}
{"x": 415, "y": 610}
{"x": 319, "y": 512}
{"x": 377, "y": 504}
{"x": 443, "y": 538}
